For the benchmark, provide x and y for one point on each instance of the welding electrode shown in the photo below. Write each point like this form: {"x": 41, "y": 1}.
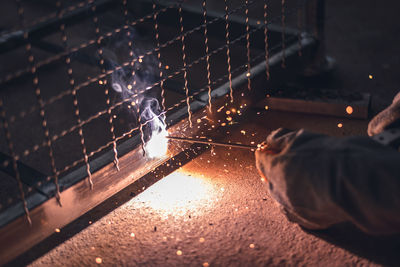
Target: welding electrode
{"x": 262, "y": 147}
{"x": 203, "y": 141}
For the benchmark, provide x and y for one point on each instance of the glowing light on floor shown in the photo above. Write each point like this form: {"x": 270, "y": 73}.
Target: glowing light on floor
{"x": 178, "y": 194}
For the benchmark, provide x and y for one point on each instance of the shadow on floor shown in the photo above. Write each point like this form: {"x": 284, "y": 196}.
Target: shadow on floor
{"x": 109, "y": 205}
{"x": 379, "y": 249}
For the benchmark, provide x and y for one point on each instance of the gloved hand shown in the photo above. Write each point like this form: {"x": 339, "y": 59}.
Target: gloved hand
{"x": 387, "y": 119}
{"x": 320, "y": 180}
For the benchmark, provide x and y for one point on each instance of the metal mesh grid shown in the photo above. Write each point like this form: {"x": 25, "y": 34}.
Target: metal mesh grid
{"x": 70, "y": 68}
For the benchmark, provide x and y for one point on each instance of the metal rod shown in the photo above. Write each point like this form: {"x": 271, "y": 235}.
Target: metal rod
{"x": 190, "y": 140}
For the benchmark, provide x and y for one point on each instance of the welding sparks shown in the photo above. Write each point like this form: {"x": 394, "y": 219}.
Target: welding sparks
{"x": 349, "y": 110}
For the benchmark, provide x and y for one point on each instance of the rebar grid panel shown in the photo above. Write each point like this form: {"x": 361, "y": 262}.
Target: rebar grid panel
{"x": 228, "y": 51}
{"x": 40, "y": 104}
{"x": 106, "y": 90}
{"x": 133, "y": 47}
{"x": 75, "y": 99}
{"x": 119, "y": 103}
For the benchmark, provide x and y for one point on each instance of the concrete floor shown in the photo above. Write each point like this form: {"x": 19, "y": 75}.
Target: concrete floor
{"x": 221, "y": 215}
{"x": 214, "y": 210}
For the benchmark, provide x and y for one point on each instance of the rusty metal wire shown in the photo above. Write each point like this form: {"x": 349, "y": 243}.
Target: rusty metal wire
{"x": 95, "y": 79}
{"x": 248, "y": 74}
{"x": 116, "y": 105}
{"x": 106, "y": 73}
{"x": 176, "y": 105}
{"x": 228, "y": 51}
{"x": 204, "y": 4}
{"x": 266, "y": 38}
{"x": 35, "y": 81}
{"x": 83, "y": 45}
{"x": 50, "y": 16}
{"x": 14, "y": 161}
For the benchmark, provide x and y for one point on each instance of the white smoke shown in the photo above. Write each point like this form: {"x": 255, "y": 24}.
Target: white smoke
{"x": 133, "y": 84}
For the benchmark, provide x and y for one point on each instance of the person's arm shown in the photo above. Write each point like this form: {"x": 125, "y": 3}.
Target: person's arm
{"x": 321, "y": 180}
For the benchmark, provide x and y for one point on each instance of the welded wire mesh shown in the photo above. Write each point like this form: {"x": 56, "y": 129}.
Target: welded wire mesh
{"x": 75, "y": 75}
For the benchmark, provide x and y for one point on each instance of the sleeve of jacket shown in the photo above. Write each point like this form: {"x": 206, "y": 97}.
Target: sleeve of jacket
{"x": 320, "y": 180}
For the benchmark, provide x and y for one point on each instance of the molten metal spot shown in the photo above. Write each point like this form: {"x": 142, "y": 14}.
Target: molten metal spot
{"x": 340, "y": 125}
{"x": 99, "y": 260}
{"x": 179, "y": 252}
{"x": 349, "y": 109}
{"x": 370, "y": 77}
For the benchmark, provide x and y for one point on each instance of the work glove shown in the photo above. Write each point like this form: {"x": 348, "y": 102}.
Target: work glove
{"x": 389, "y": 118}
{"x": 320, "y": 181}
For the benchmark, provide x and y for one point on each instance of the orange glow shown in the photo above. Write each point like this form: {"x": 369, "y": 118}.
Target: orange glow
{"x": 349, "y": 109}
{"x": 340, "y": 125}
{"x": 177, "y": 194}
{"x": 99, "y": 260}
{"x": 370, "y": 77}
